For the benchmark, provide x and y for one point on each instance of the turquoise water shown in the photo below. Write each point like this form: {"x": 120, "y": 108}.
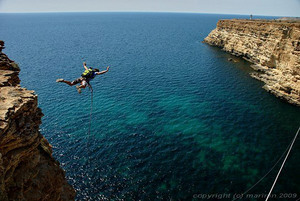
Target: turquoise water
{"x": 171, "y": 119}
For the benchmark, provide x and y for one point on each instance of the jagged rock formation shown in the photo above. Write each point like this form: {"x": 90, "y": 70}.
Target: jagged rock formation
{"x": 272, "y": 45}
{"x": 27, "y": 169}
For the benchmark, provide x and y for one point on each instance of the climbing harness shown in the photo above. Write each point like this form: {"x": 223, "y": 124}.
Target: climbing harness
{"x": 289, "y": 147}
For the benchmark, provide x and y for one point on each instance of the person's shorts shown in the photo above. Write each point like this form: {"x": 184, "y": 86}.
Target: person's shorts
{"x": 80, "y": 80}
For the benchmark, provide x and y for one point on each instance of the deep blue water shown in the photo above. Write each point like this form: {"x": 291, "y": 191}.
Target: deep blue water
{"x": 172, "y": 118}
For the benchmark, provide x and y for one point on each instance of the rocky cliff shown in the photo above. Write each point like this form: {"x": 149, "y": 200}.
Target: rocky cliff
{"x": 272, "y": 45}
{"x": 27, "y": 169}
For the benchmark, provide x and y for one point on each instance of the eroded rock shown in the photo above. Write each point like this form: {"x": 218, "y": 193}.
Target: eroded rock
{"x": 272, "y": 45}
{"x": 28, "y": 170}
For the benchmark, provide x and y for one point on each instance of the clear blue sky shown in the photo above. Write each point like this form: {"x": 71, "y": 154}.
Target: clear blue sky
{"x": 255, "y": 7}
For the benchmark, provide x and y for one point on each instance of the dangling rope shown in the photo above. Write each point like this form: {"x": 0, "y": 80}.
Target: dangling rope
{"x": 91, "y": 108}
{"x": 282, "y": 164}
{"x": 91, "y": 111}
{"x": 90, "y": 125}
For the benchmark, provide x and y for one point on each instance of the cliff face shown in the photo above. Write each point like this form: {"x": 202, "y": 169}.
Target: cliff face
{"x": 27, "y": 169}
{"x": 274, "y": 48}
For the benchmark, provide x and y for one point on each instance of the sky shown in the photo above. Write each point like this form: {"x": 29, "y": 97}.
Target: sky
{"x": 247, "y": 7}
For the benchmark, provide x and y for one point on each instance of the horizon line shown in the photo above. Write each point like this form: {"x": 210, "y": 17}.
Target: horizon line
{"x": 187, "y": 12}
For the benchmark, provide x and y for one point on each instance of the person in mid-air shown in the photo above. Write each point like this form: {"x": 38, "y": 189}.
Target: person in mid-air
{"x": 86, "y": 77}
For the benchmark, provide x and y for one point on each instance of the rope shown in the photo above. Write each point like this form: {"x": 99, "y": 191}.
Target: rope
{"x": 90, "y": 125}
{"x": 268, "y": 171}
{"x": 91, "y": 111}
{"x": 282, "y": 164}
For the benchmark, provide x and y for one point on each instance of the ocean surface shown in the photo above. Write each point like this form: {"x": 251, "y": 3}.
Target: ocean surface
{"x": 173, "y": 119}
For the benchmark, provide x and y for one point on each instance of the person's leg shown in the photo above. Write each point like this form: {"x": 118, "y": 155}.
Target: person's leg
{"x": 82, "y": 85}
{"x": 70, "y": 83}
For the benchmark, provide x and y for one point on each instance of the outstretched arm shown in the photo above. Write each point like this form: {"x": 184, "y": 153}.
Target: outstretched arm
{"x": 102, "y": 72}
{"x": 84, "y": 65}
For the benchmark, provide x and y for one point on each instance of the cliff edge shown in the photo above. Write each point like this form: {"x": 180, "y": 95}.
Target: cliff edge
{"x": 27, "y": 169}
{"x": 272, "y": 45}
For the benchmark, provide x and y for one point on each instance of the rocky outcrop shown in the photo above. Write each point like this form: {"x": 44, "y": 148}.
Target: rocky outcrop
{"x": 272, "y": 45}
{"x": 27, "y": 169}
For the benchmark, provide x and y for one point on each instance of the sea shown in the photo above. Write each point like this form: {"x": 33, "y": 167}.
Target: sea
{"x": 172, "y": 119}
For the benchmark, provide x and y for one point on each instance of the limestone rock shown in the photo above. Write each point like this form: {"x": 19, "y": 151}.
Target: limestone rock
{"x": 5, "y": 62}
{"x": 272, "y": 45}
{"x": 9, "y": 70}
{"x": 28, "y": 170}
